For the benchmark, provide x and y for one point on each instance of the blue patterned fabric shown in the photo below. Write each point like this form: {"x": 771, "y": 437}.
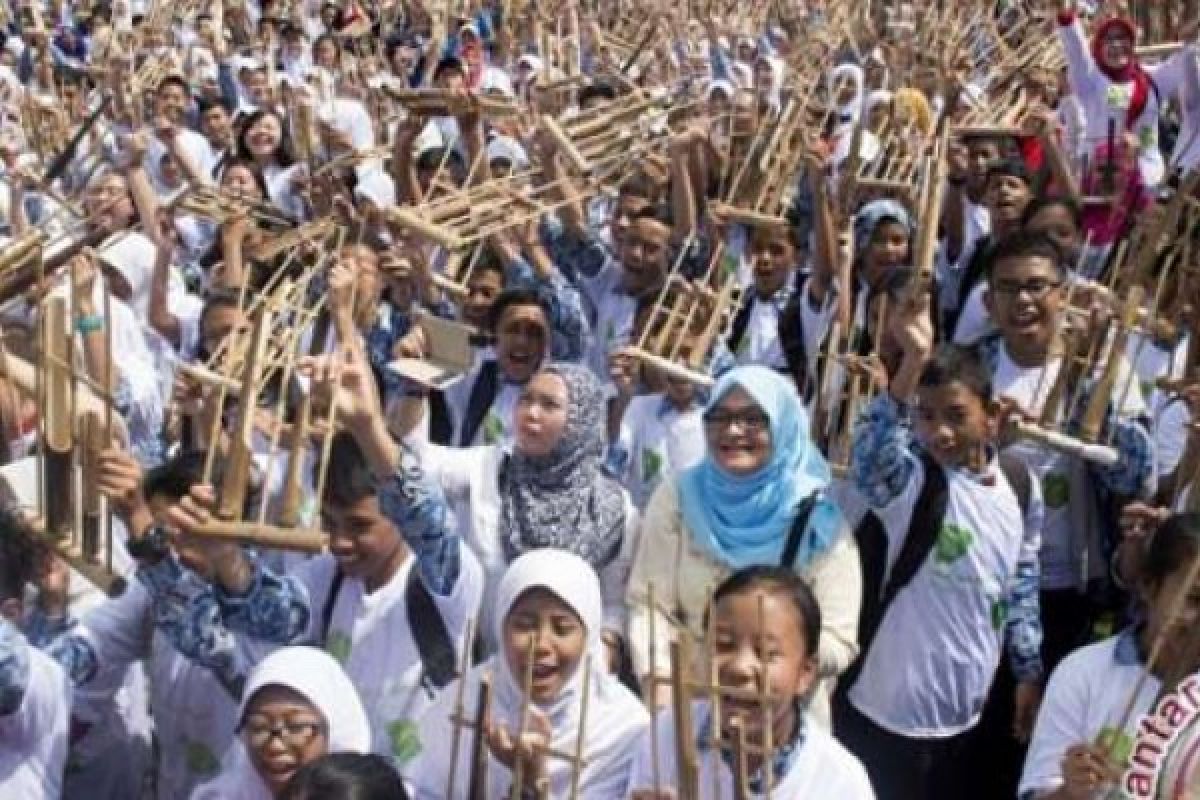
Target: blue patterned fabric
{"x": 14, "y": 667}
{"x": 416, "y": 506}
{"x": 57, "y": 637}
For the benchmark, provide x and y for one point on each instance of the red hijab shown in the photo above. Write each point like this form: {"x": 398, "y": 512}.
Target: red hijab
{"x": 1131, "y": 72}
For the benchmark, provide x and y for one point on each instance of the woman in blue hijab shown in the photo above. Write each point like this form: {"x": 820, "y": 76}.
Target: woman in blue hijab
{"x": 759, "y": 497}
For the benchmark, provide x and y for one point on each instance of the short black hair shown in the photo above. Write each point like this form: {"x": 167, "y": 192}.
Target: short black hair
{"x": 783, "y": 581}
{"x": 19, "y": 554}
{"x": 174, "y": 80}
{"x": 952, "y": 363}
{"x": 448, "y": 64}
{"x": 514, "y": 297}
{"x": 348, "y": 477}
{"x": 205, "y": 103}
{"x": 345, "y": 776}
{"x": 1011, "y": 167}
{"x": 1025, "y": 244}
{"x": 1171, "y": 547}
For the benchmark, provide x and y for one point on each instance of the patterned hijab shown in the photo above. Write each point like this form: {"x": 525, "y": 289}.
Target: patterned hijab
{"x": 564, "y": 499}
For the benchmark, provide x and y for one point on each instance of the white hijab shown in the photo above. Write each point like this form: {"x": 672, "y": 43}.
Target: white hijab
{"x": 319, "y": 679}
{"x": 615, "y": 717}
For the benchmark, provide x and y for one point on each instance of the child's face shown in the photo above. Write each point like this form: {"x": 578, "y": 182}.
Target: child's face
{"x": 953, "y": 423}
{"x": 283, "y": 732}
{"x": 539, "y": 619}
{"x": 981, "y": 154}
{"x": 1024, "y": 298}
{"x": 754, "y": 644}
{"x": 361, "y": 538}
{"x": 1007, "y": 196}
{"x": 774, "y": 259}
{"x": 483, "y": 287}
{"x": 887, "y": 249}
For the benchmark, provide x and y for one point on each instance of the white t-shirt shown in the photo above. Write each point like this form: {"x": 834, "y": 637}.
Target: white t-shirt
{"x": 33, "y": 739}
{"x": 1085, "y": 697}
{"x": 496, "y": 427}
{"x": 821, "y": 770}
{"x": 370, "y": 636}
{"x": 657, "y": 440}
{"x": 932, "y": 661}
{"x": 760, "y": 342}
{"x": 1030, "y": 387}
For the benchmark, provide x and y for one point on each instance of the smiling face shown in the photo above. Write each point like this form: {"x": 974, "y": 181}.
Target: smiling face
{"x": 541, "y": 415}
{"x": 1024, "y": 298}
{"x": 756, "y": 644}
{"x": 541, "y": 620}
{"x": 241, "y": 181}
{"x": 522, "y": 335}
{"x": 283, "y": 732}
{"x": 263, "y": 138}
{"x": 953, "y": 424}
{"x": 1116, "y": 49}
{"x": 362, "y": 539}
{"x": 738, "y": 433}
{"x": 172, "y": 102}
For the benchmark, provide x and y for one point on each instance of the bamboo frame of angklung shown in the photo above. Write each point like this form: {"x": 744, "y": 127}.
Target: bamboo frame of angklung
{"x": 72, "y": 516}
{"x": 682, "y": 303}
{"x": 478, "y": 722}
{"x": 222, "y": 205}
{"x": 684, "y": 687}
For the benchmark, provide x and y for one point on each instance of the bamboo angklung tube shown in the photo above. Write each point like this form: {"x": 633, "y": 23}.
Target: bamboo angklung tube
{"x": 268, "y": 536}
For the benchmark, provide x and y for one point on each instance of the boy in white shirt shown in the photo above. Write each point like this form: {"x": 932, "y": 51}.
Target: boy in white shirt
{"x": 957, "y": 574}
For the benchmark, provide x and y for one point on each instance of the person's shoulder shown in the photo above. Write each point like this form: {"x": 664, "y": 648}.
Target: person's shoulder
{"x": 840, "y": 765}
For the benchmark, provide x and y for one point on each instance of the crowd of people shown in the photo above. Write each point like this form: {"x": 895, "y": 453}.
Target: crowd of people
{"x": 826, "y": 433}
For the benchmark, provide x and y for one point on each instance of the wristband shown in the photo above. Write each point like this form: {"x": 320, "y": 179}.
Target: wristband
{"x": 89, "y": 324}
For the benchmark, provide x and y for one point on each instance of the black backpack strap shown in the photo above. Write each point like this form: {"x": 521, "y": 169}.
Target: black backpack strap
{"x": 436, "y": 648}
{"x": 791, "y": 341}
{"x": 923, "y": 530}
{"x": 796, "y": 532}
{"x": 741, "y": 321}
{"x": 1018, "y": 477}
{"x": 441, "y": 427}
{"x": 483, "y": 394}
{"x": 335, "y": 588}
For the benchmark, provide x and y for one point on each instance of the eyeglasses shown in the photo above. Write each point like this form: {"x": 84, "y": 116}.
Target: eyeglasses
{"x": 750, "y": 420}
{"x": 292, "y": 732}
{"x": 1036, "y": 289}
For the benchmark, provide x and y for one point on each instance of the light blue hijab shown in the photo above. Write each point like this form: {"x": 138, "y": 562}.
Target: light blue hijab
{"x": 743, "y": 520}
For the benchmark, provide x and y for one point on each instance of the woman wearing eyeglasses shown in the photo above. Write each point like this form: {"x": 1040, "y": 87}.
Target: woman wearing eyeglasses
{"x": 298, "y": 705}
{"x": 760, "y": 497}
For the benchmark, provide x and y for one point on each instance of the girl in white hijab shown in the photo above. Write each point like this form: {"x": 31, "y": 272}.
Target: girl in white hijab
{"x": 553, "y": 597}
{"x": 298, "y": 705}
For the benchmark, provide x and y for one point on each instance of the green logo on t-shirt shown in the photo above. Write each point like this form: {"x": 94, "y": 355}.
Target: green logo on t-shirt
{"x": 406, "y": 742}
{"x": 651, "y": 465}
{"x": 999, "y": 613}
{"x": 1056, "y": 490}
{"x": 338, "y": 646}
{"x": 200, "y": 760}
{"x": 1119, "y": 743}
{"x": 953, "y": 542}
{"x": 493, "y": 429}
